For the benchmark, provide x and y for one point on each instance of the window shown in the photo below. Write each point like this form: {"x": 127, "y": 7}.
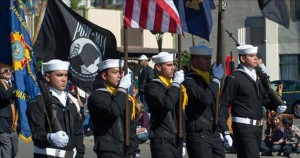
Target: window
{"x": 290, "y": 67}
{"x": 297, "y": 9}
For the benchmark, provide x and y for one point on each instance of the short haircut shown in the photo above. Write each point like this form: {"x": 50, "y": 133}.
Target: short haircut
{"x": 259, "y": 56}
{"x": 287, "y": 121}
{"x": 104, "y": 70}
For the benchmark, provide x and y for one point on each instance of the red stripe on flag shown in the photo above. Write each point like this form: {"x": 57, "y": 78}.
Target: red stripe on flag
{"x": 128, "y": 12}
{"x": 171, "y": 12}
{"x": 144, "y": 13}
{"x": 172, "y": 26}
{"x": 158, "y": 18}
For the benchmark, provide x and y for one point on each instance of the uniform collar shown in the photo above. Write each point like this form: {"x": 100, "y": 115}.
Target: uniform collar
{"x": 250, "y": 71}
{"x": 60, "y": 95}
{"x": 7, "y": 81}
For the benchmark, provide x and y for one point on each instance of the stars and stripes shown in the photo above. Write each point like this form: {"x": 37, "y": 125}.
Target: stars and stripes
{"x": 154, "y": 15}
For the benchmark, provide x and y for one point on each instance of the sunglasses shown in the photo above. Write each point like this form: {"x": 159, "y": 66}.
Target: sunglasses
{"x": 6, "y": 70}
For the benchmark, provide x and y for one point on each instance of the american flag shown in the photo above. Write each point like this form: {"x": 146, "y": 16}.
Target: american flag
{"x": 154, "y": 15}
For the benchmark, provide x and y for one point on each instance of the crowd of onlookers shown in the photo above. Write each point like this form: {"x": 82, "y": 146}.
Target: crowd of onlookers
{"x": 282, "y": 137}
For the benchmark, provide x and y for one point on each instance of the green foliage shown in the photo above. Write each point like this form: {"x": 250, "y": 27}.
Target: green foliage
{"x": 74, "y": 4}
{"x": 185, "y": 58}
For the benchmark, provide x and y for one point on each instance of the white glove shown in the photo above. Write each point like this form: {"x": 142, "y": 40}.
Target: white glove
{"x": 263, "y": 67}
{"x": 218, "y": 71}
{"x": 125, "y": 81}
{"x": 129, "y": 71}
{"x": 281, "y": 108}
{"x": 228, "y": 141}
{"x": 183, "y": 150}
{"x": 59, "y": 139}
{"x": 221, "y": 137}
{"x": 178, "y": 77}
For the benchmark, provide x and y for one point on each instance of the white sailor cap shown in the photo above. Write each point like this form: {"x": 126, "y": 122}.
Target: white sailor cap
{"x": 247, "y": 49}
{"x": 163, "y": 57}
{"x": 143, "y": 57}
{"x": 201, "y": 50}
{"x": 109, "y": 63}
{"x": 55, "y": 64}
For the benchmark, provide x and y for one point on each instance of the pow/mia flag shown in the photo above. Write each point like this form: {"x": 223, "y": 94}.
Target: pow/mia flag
{"x": 66, "y": 35}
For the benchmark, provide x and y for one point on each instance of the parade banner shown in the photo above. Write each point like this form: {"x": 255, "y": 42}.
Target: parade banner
{"x": 275, "y": 10}
{"x": 154, "y": 15}
{"x": 196, "y": 16}
{"x": 66, "y": 35}
{"x": 16, "y": 50}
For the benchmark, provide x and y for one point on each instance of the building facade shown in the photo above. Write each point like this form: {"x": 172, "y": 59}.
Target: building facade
{"x": 279, "y": 47}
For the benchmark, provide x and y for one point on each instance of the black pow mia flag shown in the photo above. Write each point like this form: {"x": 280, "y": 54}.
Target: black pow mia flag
{"x": 67, "y": 36}
{"x": 275, "y": 10}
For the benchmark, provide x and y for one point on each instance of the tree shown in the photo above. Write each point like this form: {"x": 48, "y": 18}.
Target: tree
{"x": 74, "y": 4}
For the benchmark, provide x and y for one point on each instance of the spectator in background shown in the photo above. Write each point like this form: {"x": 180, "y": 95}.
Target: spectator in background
{"x": 145, "y": 76}
{"x": 142, "y": 124}
{"x": 271, "y": 143}
{"x": 291, "y": 138}
{"x": 8, "y": 114}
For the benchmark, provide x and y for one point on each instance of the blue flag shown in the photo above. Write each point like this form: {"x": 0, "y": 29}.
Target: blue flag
{"x": 16, "y": 50}
{"x": 196, "y": 17}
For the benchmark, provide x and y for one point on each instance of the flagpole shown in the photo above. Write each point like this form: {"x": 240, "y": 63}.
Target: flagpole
{"x": 126, "y": 112}
{"x": 38, "y": 25}
{"x": 180, "y": 110}
{"x": 220, "y": 51}
{"x": 221, "y": 30}
{"x": 193, "y": 40}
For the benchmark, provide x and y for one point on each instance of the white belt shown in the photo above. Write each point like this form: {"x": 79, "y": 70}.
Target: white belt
{"x": 247, "y": 121}
{"x": 52, "y": 151}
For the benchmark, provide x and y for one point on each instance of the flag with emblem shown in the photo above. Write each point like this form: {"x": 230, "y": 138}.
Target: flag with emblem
{"x": 16, "y": 50}
{"x": 66, "y": 35}
{"x": 154, "y": 15}
{"x": 196, "y": 16}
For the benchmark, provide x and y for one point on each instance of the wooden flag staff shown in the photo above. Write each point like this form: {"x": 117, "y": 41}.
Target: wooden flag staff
{"x": 220, "y": 51}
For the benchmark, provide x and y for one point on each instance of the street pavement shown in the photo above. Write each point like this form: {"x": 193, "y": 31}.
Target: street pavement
{"x": 26, "y": 149}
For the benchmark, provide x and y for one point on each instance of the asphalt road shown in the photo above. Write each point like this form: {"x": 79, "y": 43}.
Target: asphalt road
{"x": 26, "y": 149}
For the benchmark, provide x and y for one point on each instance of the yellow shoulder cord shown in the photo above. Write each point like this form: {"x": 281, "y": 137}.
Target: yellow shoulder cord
{"x": 185, "y": 96}
{"x": 133, "y": 107}
{"x": 14, "y": 112}
{"x": 113, "y": 91}
{"x": 168, "y": 82}
{"x": 203, "y": 74}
